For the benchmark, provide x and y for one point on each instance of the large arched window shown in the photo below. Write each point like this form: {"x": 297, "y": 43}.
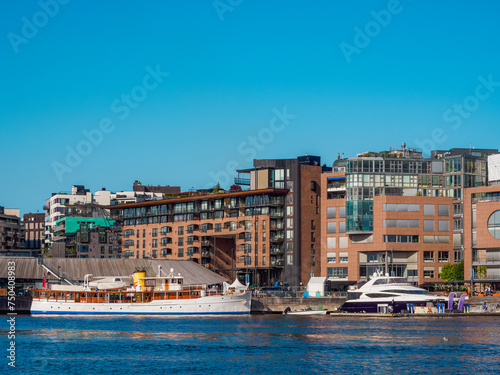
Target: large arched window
{"x": 494, "y": 224}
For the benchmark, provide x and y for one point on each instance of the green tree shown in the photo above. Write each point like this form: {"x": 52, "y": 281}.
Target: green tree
{"x": 481, "y": 272}
{"x": 448, "y": 272}
{"x": 459, "y": 270}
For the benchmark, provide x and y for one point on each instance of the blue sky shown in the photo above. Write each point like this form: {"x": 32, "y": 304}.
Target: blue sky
{"x": 179, "y": 87}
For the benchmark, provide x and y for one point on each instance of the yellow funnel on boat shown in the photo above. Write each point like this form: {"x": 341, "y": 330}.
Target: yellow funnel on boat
{"x": 138, "y": 279}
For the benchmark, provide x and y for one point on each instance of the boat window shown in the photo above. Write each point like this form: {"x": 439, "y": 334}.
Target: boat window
{"x": 353, "y": 295}
{"x": 380, "y": 282}
{"x": 397, "y": 281}
{"x": 401, "y": 291}
{"x": 52, "y": 295}
{"x": 60, "y": 296}
{"x": 378, "y": 295}
{"x": 43, "y": 295}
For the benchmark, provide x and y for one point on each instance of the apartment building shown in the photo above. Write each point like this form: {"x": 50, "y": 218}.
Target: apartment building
{"x": 238, "y": 234}
{"x": 301, "y": 177}
{"x": 162, "y": 189}
{"x": 86, "y": 237}
{"x": 11, "y": 229}
{"x": 361, "y": 231}
{"x": 34, "y": 230}
{"x": 82, "y": 202}
{"x": 482, "y": 233}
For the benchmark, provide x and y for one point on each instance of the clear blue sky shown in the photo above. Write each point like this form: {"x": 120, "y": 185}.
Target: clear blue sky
{"x": 414, "y": 78}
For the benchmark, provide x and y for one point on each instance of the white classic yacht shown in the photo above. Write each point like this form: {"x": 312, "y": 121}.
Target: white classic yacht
{"x": 147, "y": 295}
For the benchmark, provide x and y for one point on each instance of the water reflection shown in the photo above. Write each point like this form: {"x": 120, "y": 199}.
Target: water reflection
{"x": 260, "y": 344}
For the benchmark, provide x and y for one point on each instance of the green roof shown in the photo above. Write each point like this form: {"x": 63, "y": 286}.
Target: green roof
{"x": 72, "y": 224}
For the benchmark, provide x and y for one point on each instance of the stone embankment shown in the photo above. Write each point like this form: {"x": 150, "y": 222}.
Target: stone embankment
{"x": 279, "y": 304}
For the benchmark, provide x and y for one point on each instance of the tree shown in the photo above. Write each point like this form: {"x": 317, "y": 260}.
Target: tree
{"x": 448, "y": 272}
{"x": 459, "y": 270}
{"x": 481, "y": 272}
{"x": 451, "y": 272}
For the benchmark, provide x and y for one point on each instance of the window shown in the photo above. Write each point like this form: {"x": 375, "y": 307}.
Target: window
{"x": 263, "y": 224}
{"x": 342, "y": 212}
{"x": 331, "y": 257}
{"x": 143, "y": 244}
{"x": 144, "y": 233}
{"x": 429, "y": 256}
{"x": 218, "y": 227}
{"x": 155, "y": 232}
{"x": 428, "y": 273}
{"x": 155, "y": 243}
{"x": 443, "y": 225}
{"x": 343, "y": 258}
{"x": 436, "y": 239}
{"x": 263, "y": 260}
{"x": 102, "y": 236}
{"x": 376, "y": 258}
{"x": 181, "y": 231}
{"x": 443, "y": 210}
{"x": 180, "y": 252}
{"x": 331, "y": 243}
{"x": 444, "y": 257}
{"x": 494, "y": 224}
{"x": 331, "y": 212}
{"x": 337, "y": 272}
{"x": 428, "y": 225}
{"x": 400, "y": 207}
{"x": 342, "y": 227}
{"x": 343, "y": 242}
{"x": 391, "y": 223}
{"x": 264, "y": 236}
{"x": 313, "y": 225}
{"x": 331, "y": 227}
{"x": 313, "y": 237}
{"x": 401, "y": 238}
{"x": 428, "y": 210}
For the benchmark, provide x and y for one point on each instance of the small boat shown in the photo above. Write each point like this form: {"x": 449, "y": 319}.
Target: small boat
{"x": 145, "y": 295}
{"x": 308, "y": 311}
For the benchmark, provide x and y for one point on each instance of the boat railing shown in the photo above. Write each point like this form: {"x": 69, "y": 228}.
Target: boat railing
{"x": 129, "y": 295}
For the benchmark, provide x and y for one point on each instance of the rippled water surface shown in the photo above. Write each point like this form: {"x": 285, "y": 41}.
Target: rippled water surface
{"x": 256, "y": 344}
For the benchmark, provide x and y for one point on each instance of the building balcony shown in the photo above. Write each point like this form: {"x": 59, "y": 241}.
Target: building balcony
{"x": 335, "y": 189}
{"x": 276, "y": 214}
{"x": 242, "y": 181}
{"x": 205, "y": 254}
{"x": 276, "y": 251}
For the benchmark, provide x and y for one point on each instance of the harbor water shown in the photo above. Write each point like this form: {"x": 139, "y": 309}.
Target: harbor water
{"x": 254, "y": 344}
